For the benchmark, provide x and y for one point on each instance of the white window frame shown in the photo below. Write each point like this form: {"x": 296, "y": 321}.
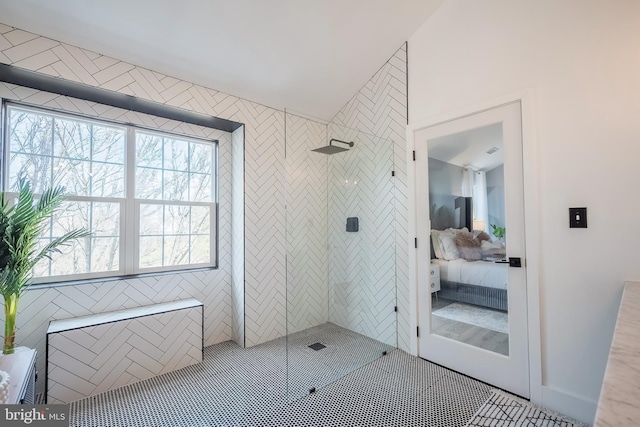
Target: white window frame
{"x": 136, "y": 241}
{"x": 129, "y": 206}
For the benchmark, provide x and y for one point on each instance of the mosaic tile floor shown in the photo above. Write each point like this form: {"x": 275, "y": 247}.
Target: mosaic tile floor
{"x": 248, "y": 387}
{"x": 344, "y": 352}
{"x": 503, "y": 409}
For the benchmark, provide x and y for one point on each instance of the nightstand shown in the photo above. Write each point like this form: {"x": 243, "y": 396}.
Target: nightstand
{"x": 434, "y": 278}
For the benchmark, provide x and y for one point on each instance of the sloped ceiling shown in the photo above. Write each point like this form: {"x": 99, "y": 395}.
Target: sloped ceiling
{"x": 310, "y": 56}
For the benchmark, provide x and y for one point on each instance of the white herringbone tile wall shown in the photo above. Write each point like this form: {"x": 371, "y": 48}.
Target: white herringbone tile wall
{"x": 265, "y": 287}
{"x": 380, "y": 109}
{"x": 212, "y": 287}
{"x": 264, "y": 304}
{"x": 307, "y": 265}
{"x": 86, "y": 361}
{"x": 361, "y": 264}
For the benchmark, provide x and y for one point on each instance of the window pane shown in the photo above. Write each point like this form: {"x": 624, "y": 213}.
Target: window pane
{"x": 107, "y": 180}
{"x": 176, "y": 186}
{"x": 150, "y": 252}
{"x": 99, "y": 252}
{"x": 105, "y": 254}
{"x": 176, "y": 154}
{"x": 200, "y": 249}
{"x": 148, "y": 183}
{"x": 30, "y": 132}
{"x": 201, "y": 190}
{"x": 108, "y": 144}
{"x": 176, "y": 250}
{"x": 36, "y": 168}
{"x": 148, "y": 150}
{"x": 73, "y": 175}
{"x": 201, "y": 158}
{"x": 105, "y": 219}
{"x": 176, "y": 220}
{"x": 200, "y": 220}
{"x": 71, "y": 139}
{"x": 183, "y": 232}
{"x": 52, "y": 150}
{"x": 151, "y": 219}
{"x": 70, "y": 216}
{"x": 73, "y": 259}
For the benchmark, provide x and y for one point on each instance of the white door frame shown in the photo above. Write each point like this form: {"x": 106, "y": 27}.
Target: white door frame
{"x": 531, "y": 220}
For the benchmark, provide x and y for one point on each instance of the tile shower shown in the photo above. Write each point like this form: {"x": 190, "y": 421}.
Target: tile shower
{"x": 338, "y": 279}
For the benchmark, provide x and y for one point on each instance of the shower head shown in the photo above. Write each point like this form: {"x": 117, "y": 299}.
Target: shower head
{"x": 333, "y": 149}
{"x": 330, "y": 149}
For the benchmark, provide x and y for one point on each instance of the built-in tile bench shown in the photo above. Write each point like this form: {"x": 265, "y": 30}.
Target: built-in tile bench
{"x": 92, "y": 354}
{"x": 619, "y": 403}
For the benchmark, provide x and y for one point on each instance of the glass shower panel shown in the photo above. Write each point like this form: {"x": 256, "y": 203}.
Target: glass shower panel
{"x": 341, "y": 284}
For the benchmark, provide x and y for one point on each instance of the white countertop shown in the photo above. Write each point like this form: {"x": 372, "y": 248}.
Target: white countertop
{"x": 619, "y": 403}
{"x": 114, "y": 316}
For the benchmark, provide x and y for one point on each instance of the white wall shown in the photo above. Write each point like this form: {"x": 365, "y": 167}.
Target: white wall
{"x": 583, "y": 60}
{"x": 445, "y": 184}
{"x": 445, "y": 179}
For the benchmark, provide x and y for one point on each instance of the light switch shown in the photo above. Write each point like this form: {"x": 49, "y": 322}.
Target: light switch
{"x": 577, "y": 217}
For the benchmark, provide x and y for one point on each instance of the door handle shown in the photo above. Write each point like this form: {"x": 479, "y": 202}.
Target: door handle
{"x": 515, "y": 262}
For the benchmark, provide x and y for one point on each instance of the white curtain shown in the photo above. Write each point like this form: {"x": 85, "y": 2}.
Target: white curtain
{"x": 480, "y": 202}
{"x": 467, "y": 183}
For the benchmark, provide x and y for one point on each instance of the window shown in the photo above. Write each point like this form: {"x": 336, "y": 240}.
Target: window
{"x": 174, "y": 194}
{"x": 148, "y": 198}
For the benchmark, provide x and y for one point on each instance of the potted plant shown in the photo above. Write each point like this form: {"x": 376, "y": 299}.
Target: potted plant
{"x": 498, "y": 231}
{"x": 20, "y": 226}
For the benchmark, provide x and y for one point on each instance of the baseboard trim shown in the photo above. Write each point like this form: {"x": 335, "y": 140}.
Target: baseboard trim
{"x": 577, "y": 407}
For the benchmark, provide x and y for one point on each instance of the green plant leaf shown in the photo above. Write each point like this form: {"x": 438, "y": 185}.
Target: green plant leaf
{"x": 499, "y": 232}
{"x": 20, "y": 227}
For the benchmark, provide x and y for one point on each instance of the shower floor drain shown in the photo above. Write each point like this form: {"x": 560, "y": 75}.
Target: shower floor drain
{"x": 317, "y": 346}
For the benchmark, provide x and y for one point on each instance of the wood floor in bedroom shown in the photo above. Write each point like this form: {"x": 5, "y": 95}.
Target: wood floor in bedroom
{"x": 466, "y": 333}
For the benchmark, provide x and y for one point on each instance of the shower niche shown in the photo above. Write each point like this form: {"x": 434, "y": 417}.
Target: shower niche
{"x": 341, "y": 284}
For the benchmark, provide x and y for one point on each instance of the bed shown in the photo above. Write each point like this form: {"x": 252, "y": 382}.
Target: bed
{"x": 482, "y": 283}
{"x": 470, "y": 267}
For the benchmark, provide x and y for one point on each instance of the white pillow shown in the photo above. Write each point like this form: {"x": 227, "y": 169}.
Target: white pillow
{"x": 455, "y": 231}
{"x": 448, "y": 246}
{"x": 436, "y": 243}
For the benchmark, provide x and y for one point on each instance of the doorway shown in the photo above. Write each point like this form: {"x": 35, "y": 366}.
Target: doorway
{"x": 471, "y": 270}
